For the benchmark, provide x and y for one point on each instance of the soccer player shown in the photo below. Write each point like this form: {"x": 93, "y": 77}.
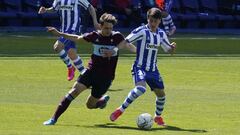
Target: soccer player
{"x": 148, "y": 38}
{"x": 165, "y": 6}
{"x": 69, "y": 11}
{"x": 101, "y": 69}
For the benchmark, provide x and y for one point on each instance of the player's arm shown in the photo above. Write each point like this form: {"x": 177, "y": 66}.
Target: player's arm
{"x": 71, "y": 37}
{"x": 92, "y": 12}
{"x": 167, "y": 46}
{"x": 128, "y": 46}
{"x": 122, "y": 45}
{"x": 85, "y": 4}
{"x": 168, "y": 24}
{"x": 43, "y": 10}
{"x": 55, "y": 7}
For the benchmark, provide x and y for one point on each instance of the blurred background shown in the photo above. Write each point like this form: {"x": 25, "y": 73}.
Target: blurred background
{"x": 186, "y": 14}
{"x": 204, "y": 27}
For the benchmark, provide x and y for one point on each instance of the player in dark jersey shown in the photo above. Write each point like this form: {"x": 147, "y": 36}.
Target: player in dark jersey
{"x": 101, "y": 68}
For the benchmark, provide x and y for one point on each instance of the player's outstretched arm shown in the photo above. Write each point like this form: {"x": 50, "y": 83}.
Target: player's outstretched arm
{"x": 71, "y": 37}
{"x": 43, "y": 10}
{"x": 128, "y": 46}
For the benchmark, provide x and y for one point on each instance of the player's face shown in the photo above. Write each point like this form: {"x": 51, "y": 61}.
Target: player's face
{"x": 106, "y": 28}
{"x": 153, "y": 23}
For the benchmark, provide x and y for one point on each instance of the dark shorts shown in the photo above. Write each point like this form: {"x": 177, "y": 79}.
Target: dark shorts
{"x": 99, "y": 85}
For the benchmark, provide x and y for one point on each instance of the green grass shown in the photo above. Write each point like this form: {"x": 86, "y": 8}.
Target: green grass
{"x": 203, "y": 97}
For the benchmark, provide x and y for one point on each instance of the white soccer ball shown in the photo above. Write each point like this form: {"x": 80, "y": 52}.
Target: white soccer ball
{"x": 145, "y": 121}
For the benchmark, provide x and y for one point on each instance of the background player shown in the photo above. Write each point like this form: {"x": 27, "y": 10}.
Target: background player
{"x": 165, "y": 6}
{"x": 69, "y": 11}
{"x": 149, "y": 38}
{"x": 101, "y": 68}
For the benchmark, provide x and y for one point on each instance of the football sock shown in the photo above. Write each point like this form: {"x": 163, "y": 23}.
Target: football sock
{"x": 63, "y": 55}
{"x": 62, "y": 107}
{"x": 132, "y": 95}
{"x": 78, "y": 64}
{"x": 160, "y": 101}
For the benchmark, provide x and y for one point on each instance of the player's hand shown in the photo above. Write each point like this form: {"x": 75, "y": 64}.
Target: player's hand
{"x": 42, "y": 10}
{"x": 173, "y": 46}
{"x": 54, "y": 31}
{"x": 108, "y": 52}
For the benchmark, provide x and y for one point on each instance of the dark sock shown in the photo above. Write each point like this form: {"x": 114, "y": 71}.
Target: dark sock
{"x": 62, "y": 107}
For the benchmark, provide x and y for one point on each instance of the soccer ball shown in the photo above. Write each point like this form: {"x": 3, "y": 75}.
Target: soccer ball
{"x": 144, "y": 121}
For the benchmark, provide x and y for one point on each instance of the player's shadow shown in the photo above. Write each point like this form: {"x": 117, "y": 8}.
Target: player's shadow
{"x": 110, "y": 90}
{"x": 115, "y": 90}
{"x": 171, "y": 128}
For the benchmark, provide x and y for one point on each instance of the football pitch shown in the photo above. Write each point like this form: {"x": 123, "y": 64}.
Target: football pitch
{"x": 202, "y": 90}
{"x": 202, "y": 98}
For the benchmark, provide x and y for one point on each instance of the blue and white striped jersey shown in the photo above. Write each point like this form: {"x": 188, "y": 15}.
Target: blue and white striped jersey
{"x": 147, "y": 46}
{"x": 69, "y": 11}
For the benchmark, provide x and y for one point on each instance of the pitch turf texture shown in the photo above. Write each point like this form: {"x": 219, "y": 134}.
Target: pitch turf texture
{"x": 203, "y": 94}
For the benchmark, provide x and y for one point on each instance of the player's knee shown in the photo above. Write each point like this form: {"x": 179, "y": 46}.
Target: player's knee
{"x": 90, "y": 106}
{"x": 141, "y": 88}
{"x": 160, "y": 92}
{"x": 57, "y": 48}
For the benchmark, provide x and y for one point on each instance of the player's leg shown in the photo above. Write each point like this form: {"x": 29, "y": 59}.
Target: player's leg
{"x": 59, "y": 48}
{"x": 160, "y": 101}
{"x": 72, "y": 53}
{"x": 138, "y": 90}
{"x": 155, "y": 82}
{"x": 97, "y": 99}
{"x": 66, "y": 101}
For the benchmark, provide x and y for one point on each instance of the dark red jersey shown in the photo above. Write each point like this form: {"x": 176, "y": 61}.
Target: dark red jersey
{"x": 103, "y": 66}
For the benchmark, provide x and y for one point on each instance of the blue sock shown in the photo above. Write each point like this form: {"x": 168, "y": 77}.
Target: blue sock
{"x": 160, "y": 101}
{"x": 132, "y": 95}
{"x": 63, "y": 55}
{"x": 78, "y": 64}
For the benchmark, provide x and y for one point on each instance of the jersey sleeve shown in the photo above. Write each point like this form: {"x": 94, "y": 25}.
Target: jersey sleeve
{"x": 119, "y": 38}
{"x": 84, "y": 3}
{"x": 135, "y": 35}
{"x": 90, "y": 37}
{"x": 165, "y": 44}
{"x": 56, "y": 5}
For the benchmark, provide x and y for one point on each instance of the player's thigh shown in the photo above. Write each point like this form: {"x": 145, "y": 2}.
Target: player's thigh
{"x": 77, "y": 89}
{"x": 155, "y": 81}
{"x": 100, "y": 86}
{"x": 58, "y": 46}
{"x": 139, "y": 76}
{"x": 86, "y": 78}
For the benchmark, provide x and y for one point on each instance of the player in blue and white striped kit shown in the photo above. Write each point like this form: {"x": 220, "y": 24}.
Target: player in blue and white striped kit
{"x": 148, "y": 38}
{"x": 69, "y": 11}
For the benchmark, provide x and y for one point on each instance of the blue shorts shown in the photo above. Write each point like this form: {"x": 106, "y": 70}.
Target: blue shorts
{"x": 68, "y": 44}
{"x": 153, "y": 78}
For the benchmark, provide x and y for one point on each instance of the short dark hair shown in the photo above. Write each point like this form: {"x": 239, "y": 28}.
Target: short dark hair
{"x": 108, "y": 18}
{"x": 154, "y": 13}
